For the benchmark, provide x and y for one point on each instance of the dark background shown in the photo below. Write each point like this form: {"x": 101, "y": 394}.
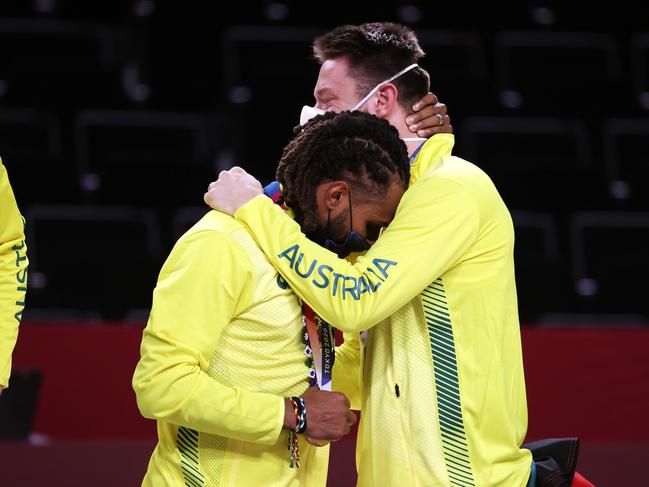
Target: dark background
{"x": 120, "y": 113}
{"x": 114, "y": 117}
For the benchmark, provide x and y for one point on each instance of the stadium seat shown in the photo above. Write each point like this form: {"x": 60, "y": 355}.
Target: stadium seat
{"x": 610, "y": 261}
{"x": 143, "y": 157}
{"x": 58, "y": 60}
{"x": 261, "y": 66}
{"x": 541, "y": 277}
{"x": 536, "y": 163}
{"x": 640, "y": 68}
{"x": 550, "y": 72}
{"x": 457, "y": 64}
{"x": 102, "y": 259}
{"x": 19, "y": 403}
{"x": 31, "y": 149}
{"x": 626, "y": 149}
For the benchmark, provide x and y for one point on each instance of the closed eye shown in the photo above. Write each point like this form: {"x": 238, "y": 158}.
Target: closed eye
{"x": 325, "y": 104}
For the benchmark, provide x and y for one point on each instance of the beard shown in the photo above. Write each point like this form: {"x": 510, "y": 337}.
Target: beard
{"x": 335, "y": 229}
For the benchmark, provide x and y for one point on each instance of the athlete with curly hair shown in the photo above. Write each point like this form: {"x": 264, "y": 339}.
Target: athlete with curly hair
{"x": 224, "y": 366}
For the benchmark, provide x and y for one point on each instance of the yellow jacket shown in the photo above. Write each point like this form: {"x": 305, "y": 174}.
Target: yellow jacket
{"x": 13, "y": 273}
{"x": 222, "y": 348}
{"x": 443, "y": 392}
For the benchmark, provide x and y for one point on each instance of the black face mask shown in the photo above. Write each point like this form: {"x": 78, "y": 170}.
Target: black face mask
{"x": 353, "y": 241}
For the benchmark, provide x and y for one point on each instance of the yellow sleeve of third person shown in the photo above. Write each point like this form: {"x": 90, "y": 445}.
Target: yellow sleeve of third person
{"x": 13, "y": 274}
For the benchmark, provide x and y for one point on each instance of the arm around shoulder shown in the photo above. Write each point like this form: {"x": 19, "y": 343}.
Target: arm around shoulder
{"x": 436, "y": 221}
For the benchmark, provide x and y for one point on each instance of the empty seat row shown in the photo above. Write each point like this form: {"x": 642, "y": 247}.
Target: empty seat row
{"x": 594, "y": 262}
{"x": 57, "y": 63}
{"x": 535, "y": 13}
{"x": 561, "y": 163}
{"x": 105, "y": 260}
{"x": 55, "y": 60}
{"x": 537, "y": 163}
{"x": 115, "y": 157}
{"x": 548, "y": 72}
{"x": 97, "y": 260}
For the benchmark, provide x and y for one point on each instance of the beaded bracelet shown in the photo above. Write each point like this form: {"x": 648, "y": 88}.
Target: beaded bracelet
{"x": 294, "y": 448}
{"x": 300, "y": 414}
{"x": 300, "y": 427}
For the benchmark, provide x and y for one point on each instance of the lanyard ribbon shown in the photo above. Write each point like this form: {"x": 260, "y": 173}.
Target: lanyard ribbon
{"x": 321, "y": 339}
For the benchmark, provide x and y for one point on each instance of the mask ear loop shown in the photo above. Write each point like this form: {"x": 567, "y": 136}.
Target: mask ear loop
{"x": 368, "y": 96}
{"x": 328, "y": 220}
{"x": 328, "y": 227}
{"x": 351, "y": 220}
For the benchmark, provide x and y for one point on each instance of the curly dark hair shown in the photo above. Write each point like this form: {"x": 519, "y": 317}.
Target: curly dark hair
{"x": 352, "y": 146}
{"x": 375, "y": 52}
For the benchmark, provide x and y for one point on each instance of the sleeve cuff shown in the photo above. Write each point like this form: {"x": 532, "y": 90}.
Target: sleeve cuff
{"x": 252, "y": 206}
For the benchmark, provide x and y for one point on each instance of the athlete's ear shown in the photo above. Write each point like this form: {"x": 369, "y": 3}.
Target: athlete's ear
{"x": 385, "y": 100}
{"x": 336, "y": 194}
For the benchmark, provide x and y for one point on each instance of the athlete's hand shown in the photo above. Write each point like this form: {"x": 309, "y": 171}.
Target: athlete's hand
{"x": 430, "y": 117}
{"x": 328, "y": 416}
{"x": 232, "y": 190}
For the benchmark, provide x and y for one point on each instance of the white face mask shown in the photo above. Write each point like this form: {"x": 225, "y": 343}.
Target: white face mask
{"x": 309, "y": 112}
